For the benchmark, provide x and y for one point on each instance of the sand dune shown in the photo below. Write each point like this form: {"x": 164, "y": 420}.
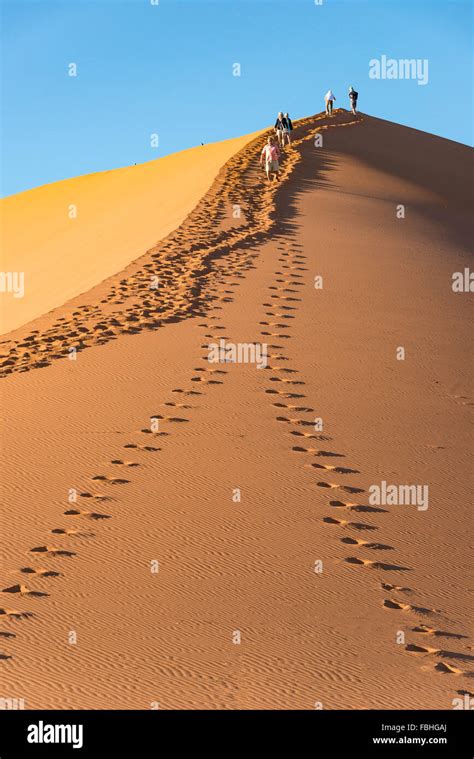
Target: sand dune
{"x": 180, "y": 532}
{"x": 68, "y": 236}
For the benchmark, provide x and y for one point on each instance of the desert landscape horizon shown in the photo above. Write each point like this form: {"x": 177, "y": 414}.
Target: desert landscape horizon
{"x": 283, "y": 528}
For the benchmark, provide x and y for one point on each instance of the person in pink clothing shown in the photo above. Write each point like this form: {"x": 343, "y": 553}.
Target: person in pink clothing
{"x": 271, "y": 153}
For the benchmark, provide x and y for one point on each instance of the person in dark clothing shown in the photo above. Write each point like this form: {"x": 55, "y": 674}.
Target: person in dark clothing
{"x": 280, "y": 129}
{"x": 289, "y": 128}
{"x": 353, "y": 95}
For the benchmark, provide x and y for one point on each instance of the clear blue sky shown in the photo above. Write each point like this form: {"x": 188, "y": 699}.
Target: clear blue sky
{"x": 167, "y": 69}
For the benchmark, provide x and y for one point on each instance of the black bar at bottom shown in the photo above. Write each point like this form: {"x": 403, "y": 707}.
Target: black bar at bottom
{"x": 217, "y": 733}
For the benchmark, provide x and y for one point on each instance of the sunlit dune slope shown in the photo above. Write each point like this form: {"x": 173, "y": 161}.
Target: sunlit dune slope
{"x": 119, "y": 215}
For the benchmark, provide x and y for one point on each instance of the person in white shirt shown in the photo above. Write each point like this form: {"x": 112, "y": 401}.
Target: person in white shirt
{"x": 280, "y": 129}
{"x": 329, "y": 98}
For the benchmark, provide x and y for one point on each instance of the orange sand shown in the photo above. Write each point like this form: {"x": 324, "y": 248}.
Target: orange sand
{"x": 163, "y": 516}
{"x": 64, "y": 251}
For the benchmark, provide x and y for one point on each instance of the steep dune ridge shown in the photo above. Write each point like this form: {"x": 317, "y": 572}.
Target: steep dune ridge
{"x": 68, "y": 236}
{"x": 154, "y": 582}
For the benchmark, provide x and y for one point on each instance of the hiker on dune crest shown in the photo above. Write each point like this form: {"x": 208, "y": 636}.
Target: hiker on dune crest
{"x": 353, "y": 95}
{"x": 329, "y": 100}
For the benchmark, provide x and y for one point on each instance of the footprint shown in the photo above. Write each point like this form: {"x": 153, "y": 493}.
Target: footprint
{"x": 71, "y": 533}
{"x": 357, "y": 507}
{"x": 396, "y": 605}
{"x": 110, "y": 480}
{"x": 425, "y": 630}
{"x": 13, "y": 614}
{"x": 328, "y": 454}
{"x": 346, "y": 488}
{"x": 95, "y": 496}
{"x": 119, "y": 462}
{"x": 366, "y": 544}
{"x": 346, "y": 523}
{"x": 179, "y": 405}
{"x": 423, "y": 650}
{"x": 148, "y": 448}
{"x": 309, "y": 435}
{"x": 389, "y": 586}
{"x": 187, "y": 392}
{"x": 209, "y": 371}
{"x": 359, "y": 562}
{"x": 399, "y": 606}
{"x": 455, "y": 655}
{"x": 447, "y": 669}
{"x": 286, "y": 381}
{"x": 339, "y": 522}
{"x": 316, "y": 452}
{"x": 52, "y": 551}
{"x": 377, "y": 564}
{"x": 285, "y": 394}
{"x": 292, "y": 408}
{"x": 40, "y": 572}
{"x": 424, "y": 610}
{"x": 87, "y": 514}
{"x": 170, "y": 418}
{"x": 283, "y": 370}
{"x": 329, "y": 468}
{"x": 343, "y": 505}
{"x": 24, "y": 591}
{"x": 205, "y": 382}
